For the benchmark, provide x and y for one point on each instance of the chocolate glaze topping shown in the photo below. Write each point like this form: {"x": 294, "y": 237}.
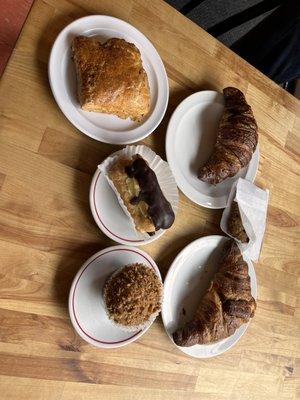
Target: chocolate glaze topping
{"x": 160, "y": 210}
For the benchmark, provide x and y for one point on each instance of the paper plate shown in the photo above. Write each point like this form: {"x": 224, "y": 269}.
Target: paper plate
{"x": 191, "y": 135}
{"x": 86, "y": 306}
{"x": 187, "y": 280}
{"x": 106, "y": 209}
{"x": 62, "y": 77}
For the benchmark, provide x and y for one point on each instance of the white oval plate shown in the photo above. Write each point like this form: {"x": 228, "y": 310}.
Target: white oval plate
{"x": 187, "y": 280}
{"x": 86, "y": 306}
{"x": 105, "y": 207}
{"x": 62, "y": 77}
{"x": 191, "y": 135}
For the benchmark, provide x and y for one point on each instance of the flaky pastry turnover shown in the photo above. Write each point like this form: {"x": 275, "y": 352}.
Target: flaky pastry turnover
{"x": 111, "y": 78}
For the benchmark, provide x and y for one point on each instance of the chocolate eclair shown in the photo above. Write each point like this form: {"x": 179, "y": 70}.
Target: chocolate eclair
{"x": 139, "y": 189}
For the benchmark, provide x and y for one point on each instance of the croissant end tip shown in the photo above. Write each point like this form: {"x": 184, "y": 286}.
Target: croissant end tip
{"x": 206, "y": 176}
{"x": 176, "y": 337}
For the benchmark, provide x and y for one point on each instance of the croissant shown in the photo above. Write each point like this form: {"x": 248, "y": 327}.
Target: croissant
{"x": 235, "y": 225}
{"x": 236, "y": 139}
{"x": 227, "y": 304}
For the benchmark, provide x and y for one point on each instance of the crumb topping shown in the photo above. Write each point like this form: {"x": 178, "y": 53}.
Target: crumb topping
{"x": 133, "y": 295}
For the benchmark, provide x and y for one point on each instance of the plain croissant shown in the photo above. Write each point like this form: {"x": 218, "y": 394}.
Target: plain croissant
{"x": 236, "y": 139}
{"x": 227, "y": 304}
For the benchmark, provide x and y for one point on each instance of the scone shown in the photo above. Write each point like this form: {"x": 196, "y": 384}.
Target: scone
{"x": 111, "y": 78}
{"x": 141, "y": 194}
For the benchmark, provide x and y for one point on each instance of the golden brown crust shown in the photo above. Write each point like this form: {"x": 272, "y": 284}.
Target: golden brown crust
{"x": 111, "y": 78}
{"x": 227, "y": 304}
{"x": 129, "y": 188}
{"x": 236, "y": 140}
{"x": 235, "y": 225}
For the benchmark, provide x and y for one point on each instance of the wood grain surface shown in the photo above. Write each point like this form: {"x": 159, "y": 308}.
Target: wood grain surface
{"x": 47, "y": 230}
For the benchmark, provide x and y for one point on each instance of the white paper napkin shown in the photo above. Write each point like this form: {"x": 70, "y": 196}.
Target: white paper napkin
{"x": 253, "y": 204}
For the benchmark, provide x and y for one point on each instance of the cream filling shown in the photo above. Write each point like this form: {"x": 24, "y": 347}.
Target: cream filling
{"x": 134, "y": 190}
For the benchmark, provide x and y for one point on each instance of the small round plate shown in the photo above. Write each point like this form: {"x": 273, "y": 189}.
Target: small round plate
{"x": 105, "y": 207}
{"x": 187, "y": 280}
{"x": 86, "y": 307}
{"x": 191, "y": 135}
{"x": 62, "y": 77}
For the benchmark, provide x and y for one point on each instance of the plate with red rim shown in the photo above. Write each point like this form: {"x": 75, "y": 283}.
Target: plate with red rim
{"x": 187, "y": 280}
{"x": 86, "y": 306}
{"x": 105, "y": 207}
{"x": 62, "y": 77}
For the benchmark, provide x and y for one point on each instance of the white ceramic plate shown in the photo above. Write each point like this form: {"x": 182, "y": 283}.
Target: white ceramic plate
{"x": 187, "y": 280}
{"x": 62, "y": 77}
{"x": 86, "y": 307}
{"x": 105, "y": 206}
{"x": 191, "y": 135}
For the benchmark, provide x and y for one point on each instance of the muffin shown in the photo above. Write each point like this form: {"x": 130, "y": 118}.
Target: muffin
{"x": 133, "y": 296}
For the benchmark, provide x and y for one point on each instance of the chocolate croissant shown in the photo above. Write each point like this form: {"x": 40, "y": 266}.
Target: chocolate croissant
{"x": 139, "y": 189}
{"x": 227, "y": 304}
{"x": 236, "y": 139}
{"x": 235, "y": 225}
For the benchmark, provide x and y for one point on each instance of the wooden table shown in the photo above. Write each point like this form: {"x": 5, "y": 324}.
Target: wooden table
{"x": 47, "y": 230}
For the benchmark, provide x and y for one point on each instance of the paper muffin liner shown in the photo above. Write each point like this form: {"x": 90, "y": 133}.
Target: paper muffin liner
{"x": 161, "y": 168}
{"x": 152, "y": 317}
